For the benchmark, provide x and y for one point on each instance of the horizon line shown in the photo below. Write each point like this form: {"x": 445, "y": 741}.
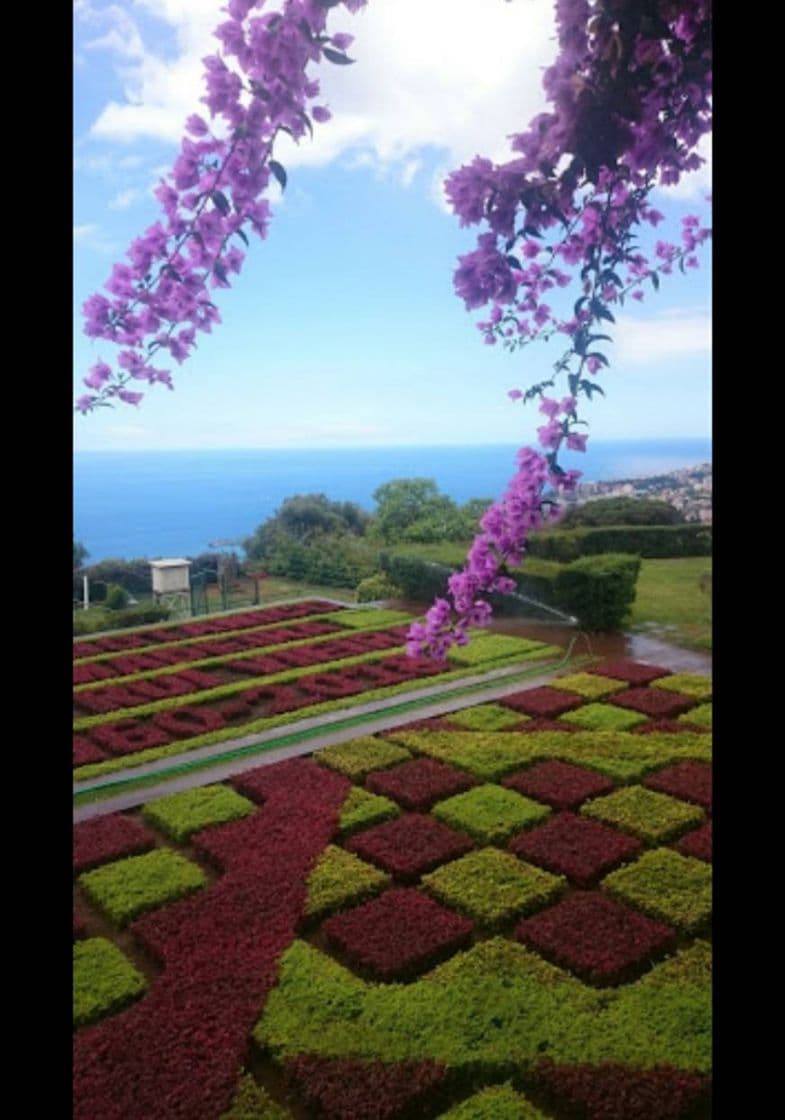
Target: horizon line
{"x": 369, "y": 446}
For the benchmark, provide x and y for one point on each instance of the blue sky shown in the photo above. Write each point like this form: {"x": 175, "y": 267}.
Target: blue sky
{"x": 343, "y": 329}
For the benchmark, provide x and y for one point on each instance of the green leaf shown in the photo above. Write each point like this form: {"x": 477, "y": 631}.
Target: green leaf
{"x": 531, "y": 231}
{"x": 337, "y": 57}
{"x": 241, "y": 233}
{"x": 278, "y": 172}
{"x": 170, "y": 270}
{"x": 220, "y": 201}
{"x": 655, "y": 280}
{"x": 513, "y": 262}
{"x": 307, "y": 122}
{"x": 219, "y": 271}
{"x": 599, "y": 338}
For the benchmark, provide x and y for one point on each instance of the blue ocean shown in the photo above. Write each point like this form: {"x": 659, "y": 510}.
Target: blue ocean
{"x": 174, "y": 503}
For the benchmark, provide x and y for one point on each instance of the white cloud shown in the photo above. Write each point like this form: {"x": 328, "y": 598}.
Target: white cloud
{"x": 91, "y": 236}
{"x": 399, "y": 98}
{"x": 671, "y": 334}
{"x": 123, "y": 199}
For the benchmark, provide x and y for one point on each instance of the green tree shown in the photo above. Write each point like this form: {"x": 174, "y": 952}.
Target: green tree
{"x": 413, "y": 509}
{"x": 305, "y": 518}
{"x": 80, "y": 554}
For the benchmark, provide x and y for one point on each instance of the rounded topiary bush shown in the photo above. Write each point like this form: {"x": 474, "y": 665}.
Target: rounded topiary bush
{"x": 376, "y": 587}
{"x": 116, "y": 597}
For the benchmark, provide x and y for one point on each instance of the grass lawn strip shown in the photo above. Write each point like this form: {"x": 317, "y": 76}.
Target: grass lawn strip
{"x": 128, "y": 887}
{"x": 265, "y": 723}
{"x": 180, "y": 815}
{"x": 104, "y": 980}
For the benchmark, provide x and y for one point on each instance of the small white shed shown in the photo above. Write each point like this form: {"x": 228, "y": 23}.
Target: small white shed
{"x": 171, "y": 576}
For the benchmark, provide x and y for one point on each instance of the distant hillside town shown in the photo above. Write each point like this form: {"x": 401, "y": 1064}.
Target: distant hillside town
{"x": 689, "y": 490}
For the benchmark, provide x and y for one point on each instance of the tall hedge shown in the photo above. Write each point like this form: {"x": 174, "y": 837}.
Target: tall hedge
{"x": 598, "y": 590}
{"x": 649, "y": 541}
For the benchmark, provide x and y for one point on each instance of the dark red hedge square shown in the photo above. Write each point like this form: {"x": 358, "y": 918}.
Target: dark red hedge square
{"x": 691, "y": 781}
{"x": 654, "y": 702}
{"x": 400, "y": 934}
{"x": 436, "y": 723}
{"x": 545, "y": 725}
{"x": 107, "y": 838}
{"x": 620, "y": 1092}
{"x": 634, "y": 672}
{"x": 559, "y": 784}
{"x": 595, "y": 937}
{"x": 697, "y": 843}
{"x": 85, "y": 752}
{"x": 420, "y": 783}
{"x": 669, "y": 726}
{"x": 410, "y": 845}
{"x": 353, "y": 1089}
{"x": 574, "y": 846}
{"x": 543, "y": 701}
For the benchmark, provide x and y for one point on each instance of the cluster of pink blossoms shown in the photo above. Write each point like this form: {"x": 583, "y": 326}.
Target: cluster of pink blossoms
{"x": 631, "y": 98}
{"x": 162, "y": 296}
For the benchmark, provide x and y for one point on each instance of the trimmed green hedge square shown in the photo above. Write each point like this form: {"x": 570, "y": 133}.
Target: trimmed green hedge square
{"x": 490, "y": 814}
{"x": 485, "y": 754}
{"x": 487, "y": 717}
{"x": 180, "y": 815}
{"x": 493, "y": 887}
{"x": 590, "y": 685}
{"x": 130, "y": 886}
{"x": 700, "y": 716}
{"x": 339, "y": 879}
{"x": 252, "y": 1102}
{"x": 492, "y": 647}
{"x": 603, "y": 717}
{"x": 362, "y": 809}
{"x": 687, "y": 684}
{"x": 650, "y": 816}
{"x": 357, "y": 758}
{"x": 500, "y": 1102}
{"x": 368, "y": 618}
{"x": 104, "y": 980}
{"x": 665, "y": 885}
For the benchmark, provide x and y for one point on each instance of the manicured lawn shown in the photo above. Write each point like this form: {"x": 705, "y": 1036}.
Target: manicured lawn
{"x": 670, "y": 597}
